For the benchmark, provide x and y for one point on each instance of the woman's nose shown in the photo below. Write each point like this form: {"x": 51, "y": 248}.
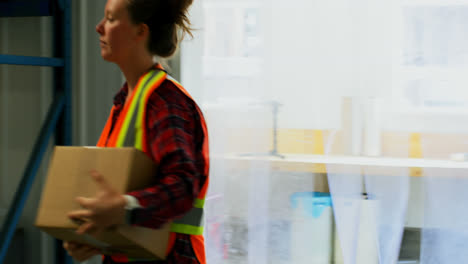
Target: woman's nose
{"x": 99, "y": 28}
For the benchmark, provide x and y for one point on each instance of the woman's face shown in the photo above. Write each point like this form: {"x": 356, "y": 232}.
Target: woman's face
{"x": 117, "y": 34}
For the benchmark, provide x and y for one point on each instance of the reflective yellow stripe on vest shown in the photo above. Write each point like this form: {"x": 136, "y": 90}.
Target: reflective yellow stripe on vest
{"x": 131, "y": 135}
{"x": 199, "y": 203}
{"x": 130, "y": 114}
{"x": 192, "y": 222}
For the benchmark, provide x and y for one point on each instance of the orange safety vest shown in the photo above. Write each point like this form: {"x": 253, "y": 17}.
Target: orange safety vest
{"x": 129, "y": 131}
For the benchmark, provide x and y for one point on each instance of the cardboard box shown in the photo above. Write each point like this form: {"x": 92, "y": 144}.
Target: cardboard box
{"x": 68, "y": 177}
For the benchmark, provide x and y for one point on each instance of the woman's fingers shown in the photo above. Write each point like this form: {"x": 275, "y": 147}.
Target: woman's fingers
{"x": 86, "y": 202}
{"x": 80, "y": 214}
{"x": 70, "y": 245}
{"x": 80, "y": 252}
{"x": 85, "y": 253}
{"x": 85, "y": 228}
{"x": 100, "y": 180}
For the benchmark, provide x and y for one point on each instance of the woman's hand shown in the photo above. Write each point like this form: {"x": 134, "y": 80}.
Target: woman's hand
{"x": 80, "y": 252}
{"x": 106, "y": 209}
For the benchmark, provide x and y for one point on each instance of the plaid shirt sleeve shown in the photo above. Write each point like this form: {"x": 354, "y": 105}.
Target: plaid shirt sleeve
{"x": 174, "y": 138}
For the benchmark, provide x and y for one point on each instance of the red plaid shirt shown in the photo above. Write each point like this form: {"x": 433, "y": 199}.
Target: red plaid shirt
{"x": 175, "y": 138}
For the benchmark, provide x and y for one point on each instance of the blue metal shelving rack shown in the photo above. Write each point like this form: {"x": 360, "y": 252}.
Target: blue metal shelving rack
{"x": 58, "y": 120}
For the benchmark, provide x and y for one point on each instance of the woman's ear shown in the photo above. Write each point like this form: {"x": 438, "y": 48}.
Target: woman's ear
{"x": 143, "y": 31}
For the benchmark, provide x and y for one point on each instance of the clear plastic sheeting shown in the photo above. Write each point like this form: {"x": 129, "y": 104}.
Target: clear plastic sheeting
{"x": 237, "y": 201}
{"x": 258, "y": 221}
{"x": 312, "y": 222}
{"x": 346, "y": 188}
{"x": 281, "y": 82}
{"x": 369, "y": 204}
{"x": 388, "y": 194}
{"x": 445, "y": 223}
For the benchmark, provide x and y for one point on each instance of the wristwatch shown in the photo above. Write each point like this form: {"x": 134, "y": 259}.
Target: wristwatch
{"x": 131, "y": 206}
{"x": 129, "y": 215}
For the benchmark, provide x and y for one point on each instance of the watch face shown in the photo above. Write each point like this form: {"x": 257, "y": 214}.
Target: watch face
{"x": 129, "y": 216}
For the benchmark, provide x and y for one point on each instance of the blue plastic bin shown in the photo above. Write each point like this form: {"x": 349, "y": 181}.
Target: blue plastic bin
{"x": 313, "y": 202}
{"x": 311, "y": 228}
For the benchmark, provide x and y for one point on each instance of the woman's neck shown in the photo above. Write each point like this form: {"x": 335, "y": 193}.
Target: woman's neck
{"x": 134, "y": 69}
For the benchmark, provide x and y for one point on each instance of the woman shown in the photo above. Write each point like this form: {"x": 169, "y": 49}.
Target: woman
{"x": 173, "y": 132}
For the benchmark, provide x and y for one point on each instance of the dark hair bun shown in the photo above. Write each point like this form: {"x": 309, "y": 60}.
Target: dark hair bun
{"x": 165, "y": 19}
